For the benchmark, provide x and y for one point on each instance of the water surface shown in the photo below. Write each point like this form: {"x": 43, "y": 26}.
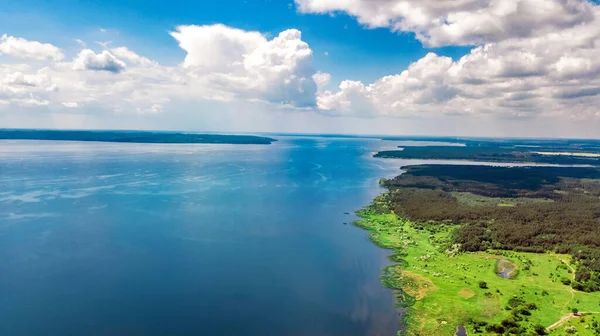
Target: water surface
{"x": 147, "y": 239}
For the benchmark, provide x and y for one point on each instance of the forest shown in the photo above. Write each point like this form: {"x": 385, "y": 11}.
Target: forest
{"x": 527, "y": 209}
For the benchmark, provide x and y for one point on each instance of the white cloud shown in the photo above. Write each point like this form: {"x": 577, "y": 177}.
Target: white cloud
{"x": 31, "y": 101}
{"x": 87, "y": 59}
{"x": 222, "y": 64}
{"x": 22, "y": 48}
{"x": 461, "y": 22}
{"x": 104, "y": 44}
{"x": 321, "y": 79}
{"x": 18, "y": 78}
{"x": 71, "y": 104}
{"x": 247, "y": 65}
{"x": 129, "y": 56}
{"x": 81, "y": 43}
{"x": 216, "y": 47}
{"x": 529, "y": 65}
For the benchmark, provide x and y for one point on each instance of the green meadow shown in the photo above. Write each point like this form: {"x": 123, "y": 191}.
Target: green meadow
{"x": 441, "y": 288}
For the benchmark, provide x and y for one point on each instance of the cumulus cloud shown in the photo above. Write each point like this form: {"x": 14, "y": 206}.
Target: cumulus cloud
{"x": 531, "y": 58}
{"x": 321, "y": 79}
{"x": 461, "y": 22}
{"x": 423, "y": 83}
{"x": 247, "y": 65}
{"x": 216, "y": 47}
{"x": 22, "y": 48}
{"x": 129, "y": 56}
{"x": 221, "y": 63}
{"x": 87, "y": 59}
{"x": 18, "y": 78}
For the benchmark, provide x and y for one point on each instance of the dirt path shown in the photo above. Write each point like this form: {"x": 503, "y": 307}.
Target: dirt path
{"x": 561, "y": 321}
{"x": 565, "y": 318}
{"x": 571, "y": 290}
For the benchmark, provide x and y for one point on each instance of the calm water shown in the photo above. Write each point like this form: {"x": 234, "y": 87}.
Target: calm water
{"x": 126, "y": 239}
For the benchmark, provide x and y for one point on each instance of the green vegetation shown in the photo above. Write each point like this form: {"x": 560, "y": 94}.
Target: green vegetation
{"x": 583, "y": 324}
{"x": 442, "y": 287}
{"x": 498, "y": 250}
{"x": 551, "y": 209}
{"x": 488, "y": 153}
{"x": 132, "y": 136}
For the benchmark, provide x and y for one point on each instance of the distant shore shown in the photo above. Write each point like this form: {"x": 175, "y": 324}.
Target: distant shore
{"x": 133, "y": 137}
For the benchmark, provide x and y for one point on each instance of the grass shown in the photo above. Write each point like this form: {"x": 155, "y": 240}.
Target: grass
{"x": 581, "y": 325}
{"x": 440, "y": 287}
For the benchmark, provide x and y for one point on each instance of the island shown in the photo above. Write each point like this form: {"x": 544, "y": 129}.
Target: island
{"x": 132, "y": 137}
{"x": 482, "y": 250}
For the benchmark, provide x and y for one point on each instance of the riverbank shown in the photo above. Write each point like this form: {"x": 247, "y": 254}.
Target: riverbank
{"x": 441, "y": 288}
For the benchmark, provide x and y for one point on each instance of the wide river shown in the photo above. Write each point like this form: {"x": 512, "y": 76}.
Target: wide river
{"x": 144, "y": 239}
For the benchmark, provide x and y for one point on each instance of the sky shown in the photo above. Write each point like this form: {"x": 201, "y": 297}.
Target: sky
{"x": 399, "y": 67}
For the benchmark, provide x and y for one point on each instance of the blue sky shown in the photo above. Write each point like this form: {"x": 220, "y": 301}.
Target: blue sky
{"x": 354, "y": 52}
{"x": 499, "y": 67}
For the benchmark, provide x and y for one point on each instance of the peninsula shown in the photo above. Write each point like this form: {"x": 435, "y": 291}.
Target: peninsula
{"x": 491, "y": 250}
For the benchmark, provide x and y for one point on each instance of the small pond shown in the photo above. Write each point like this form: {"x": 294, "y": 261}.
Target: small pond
{"x": 506, "y": 269}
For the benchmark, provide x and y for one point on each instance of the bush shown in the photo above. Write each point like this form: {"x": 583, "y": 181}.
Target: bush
{"x": 525, "y": 311}
{"x": 515, "y": 301}
{"x": 539, "y": 329}
{"x": 495, "y": 328}
{"x": 509, "y": 323}
{"x": 531, "y": 306}
{"x": 570, "y": 330}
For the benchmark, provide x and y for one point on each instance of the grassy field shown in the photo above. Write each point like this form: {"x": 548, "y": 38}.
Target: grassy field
{"x": 442, "y": 288}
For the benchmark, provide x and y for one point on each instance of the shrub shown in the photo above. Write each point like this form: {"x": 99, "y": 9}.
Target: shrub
{"x": 531, "y": 306}
{"x": 570, "y": 330}
{"x": 509, "y": 323}
{"x": 515, "y": 301}
{"x": 525, "y": 311}
{"x": 539, "y": 329}
{"x": 495, "y": 328}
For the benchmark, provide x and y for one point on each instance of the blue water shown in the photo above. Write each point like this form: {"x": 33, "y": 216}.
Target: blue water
{"x": 145, "y": 239}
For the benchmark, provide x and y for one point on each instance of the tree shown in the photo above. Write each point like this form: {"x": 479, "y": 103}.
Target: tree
{"x": 575, "y": 311}
{"x": 483, "y": 285}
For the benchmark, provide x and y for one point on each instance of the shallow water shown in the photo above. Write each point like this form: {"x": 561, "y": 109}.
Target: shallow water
{"x": 505, "y": 268}
{"x": 130, "y": 239}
